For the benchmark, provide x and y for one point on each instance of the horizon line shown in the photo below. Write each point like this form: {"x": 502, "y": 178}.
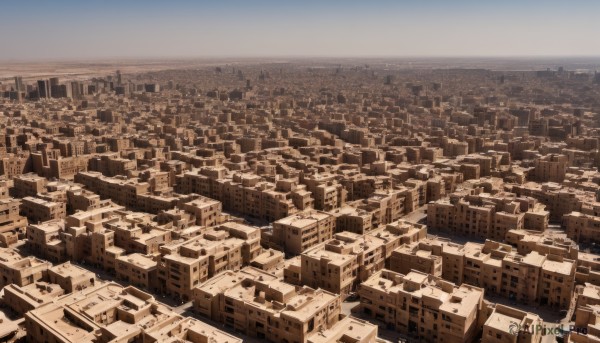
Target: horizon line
{"x": 297, "y": 57}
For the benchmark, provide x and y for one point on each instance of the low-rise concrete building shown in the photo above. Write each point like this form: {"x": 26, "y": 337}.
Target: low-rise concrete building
{"x": 39, "y": 210}
{"x": 20, "y": 270}
{"x": 298, "y": 232}
{"x": 260, "y": 305}
{"x": 341, "y": 263}
{"x": 137, "y": 270}
{"x": 111, "y": 312}
{"x": 506, "y": 324}
{"x": 423, "y": 306}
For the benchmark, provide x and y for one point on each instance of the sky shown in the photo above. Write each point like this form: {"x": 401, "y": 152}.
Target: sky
{"x": 91, "y": 29}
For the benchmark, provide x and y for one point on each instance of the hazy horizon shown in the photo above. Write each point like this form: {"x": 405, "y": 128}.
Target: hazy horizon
{"x": 185, "y": 29}
{"x": 271, "y": 58}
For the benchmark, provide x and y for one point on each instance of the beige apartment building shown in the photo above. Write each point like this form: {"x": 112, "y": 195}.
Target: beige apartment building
{"x": 83, "y": 200}
{"x": 482, "y": 266}
{"x": 158, "y": 180}
{"x": 582, "y": 228}
{"x": 270, "y": 260}
{"x": 418, "y": 194}
{"x": 12, "y": 165}
{"x": 29, "y": 185}
{"x": 559, "y": 200}
{"x": 423, "y": 306}
{"x": 251, "y": 236}
{"x": 19, "y": 270}
{"x": 586, "y": 330}
{"x": 137, "y": 270}
{"x": 292, "y": 270}
{"x": 71, "y": 278}
{"x": 535, "y": 277}
{"x": 179, "y": 219}
{"x": 536, "y": 218}
{"x": 206, "y": 211}
{"x": 549, "y": 242}
{"x": 341, "y": 263}
{"x": 224, "y": 252}
{"x": 151, "y": 203}
{"x": 453, "y": 261}
{"x": 588, "y": 295}
{"x": 26, "y": 298}
{"x": 135, "y": 235}
{"x": 260, "y": 305}
{"x": 111, "y": 313}
{"x": 550, "y": 168}
{"x": 64, "y": 167}
{"x": 39, "y": 210}
{"x": 348, "y": 329}
{"x": 588, "y": 269}
{"x": 385, "y": 206}
{"x": 361, "y": 186}
{"x": 86, "y": 238}
{"x": 61, "y": 279}
{"x": 243, "y": 193}
{"x": 396, "y": 234}
{"x": 432, "y": 255}
{"x": 109, "y": 164}
{"x": 188, "y": 329}
{"x": 483, "y": 215}
{"x": 351, "y": 219}
{"x": 328, "y": 196}
{"x": 45, "y": 240}
{"x": 178, "y": 275}
{"x": 420, "y": 256}
{"x": 509, "y": 325}
{"x": 209, "y": 296}
{"x": 531, "y": 279}
{"x": 12, "y": 225}
{"x": 122, "y": 192}
{"x": 202, "y": 181}
{"x": 298, "y": 232}
{"x": 185, "y": 265}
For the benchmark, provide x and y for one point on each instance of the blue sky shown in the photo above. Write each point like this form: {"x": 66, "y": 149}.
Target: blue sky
{"x": 36, "y": 29}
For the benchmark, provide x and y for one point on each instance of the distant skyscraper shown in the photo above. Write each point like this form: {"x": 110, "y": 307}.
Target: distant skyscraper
{"x": 120, "y": 90}
{"x": 75, "y": 90}
{"x": 59, "y": 91}
{"x": 53, "y": 84}
{"x": 152, "y": 87}
{"x": 19, "y": 83}
{"x": 19, "y": 87}
{"x": 43, "y": 88}
{"x": 119, "y": 79}
{"x": 389, "y": 79}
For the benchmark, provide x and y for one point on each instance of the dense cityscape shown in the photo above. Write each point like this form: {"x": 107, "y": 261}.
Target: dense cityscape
{"x": 301, "y": 201}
